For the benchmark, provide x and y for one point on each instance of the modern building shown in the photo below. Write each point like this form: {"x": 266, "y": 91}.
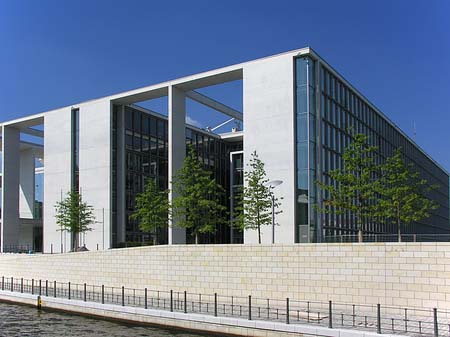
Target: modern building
{"x": 296, "y": 113}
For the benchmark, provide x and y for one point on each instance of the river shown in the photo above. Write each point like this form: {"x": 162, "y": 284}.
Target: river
{"x": 25, "y": 321}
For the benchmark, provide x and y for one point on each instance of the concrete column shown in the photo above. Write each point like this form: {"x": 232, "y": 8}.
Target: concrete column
{"x": 26, "y": 183}
{"x": 268, "y": 103}
{"x": 177, "y": 151}
{"x": 10, "y": 230}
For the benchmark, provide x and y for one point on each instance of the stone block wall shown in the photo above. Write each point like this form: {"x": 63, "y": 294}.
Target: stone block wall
{"x": 400, "y": 274}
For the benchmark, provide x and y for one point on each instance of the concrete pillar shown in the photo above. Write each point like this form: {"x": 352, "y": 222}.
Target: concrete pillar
{"x": 177, "y": 151}
{"x": 26, "y": 183}
{"x": 10, "y": 230}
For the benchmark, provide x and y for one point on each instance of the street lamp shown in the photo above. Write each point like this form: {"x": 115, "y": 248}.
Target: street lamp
{"x": 272, "y": 184}
{"x": 103, "y": 228}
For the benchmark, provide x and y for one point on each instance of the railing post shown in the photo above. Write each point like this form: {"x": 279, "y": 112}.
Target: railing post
{"x": 103, "y": 294}
{"x": 54, "y": 288}
{"x": 406, "y": 320}
{"x": 378, "y": 318}
{"x": 40, "y": 287}
{"x": 21, "y": 284}
{"x": 32, "y": 286}
{"x": 435, "y": 321}
{"x": 215, "y": 304}
{"x": 287, "y": 310}
{"x": 69, "y": 290}
{"x": 145, "y": 298}
{"x": 46, "y": 287}
{"x": 249, "y": 307}
{"x": 185, "y": 302}
{"x": 51, "y": 248}
{"x": 12, "y": 284}
{"x": 123, "y": 296}
{"x": 330, "y": 314}
{"x": 171, "y": 300}
{"x": 84, "y": 292}
{"x": 3, "y": 283}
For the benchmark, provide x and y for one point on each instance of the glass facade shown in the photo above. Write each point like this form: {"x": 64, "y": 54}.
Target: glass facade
{"x": 75, "y": 149}
{"x": 236, "y": 185}
{"x": 38, "y": 195}
{"x": 326, "y": 108}
{"x": 146, "y": 154}
{"x": 146, "y": 157}
{"x": 305, "y": 121}
{"x": 114, "y": 173}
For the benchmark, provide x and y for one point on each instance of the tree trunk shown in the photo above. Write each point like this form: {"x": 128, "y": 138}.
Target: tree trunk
{"x": 196, "y": 238}
{"x": 259, "y": 234}
{"x": 398, "y": 224}
{"x": 360, "y": 234}
{"x": 75, "y": 242}
{"x": 259, "y": 227}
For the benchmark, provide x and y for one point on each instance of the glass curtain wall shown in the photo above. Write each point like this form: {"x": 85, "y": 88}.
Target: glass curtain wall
{"x": 342, "y": 109}
{"x": 114, "y": 172}
{"x": 305, "y": 150}
{"x": 146, "y": 157}
{"x": 322, "y": 134}
{"x": 236, "y": 185}
{"x": 75, "y": 176}
{"x": 75, "y": 164}
{"x": 146, "y": 153}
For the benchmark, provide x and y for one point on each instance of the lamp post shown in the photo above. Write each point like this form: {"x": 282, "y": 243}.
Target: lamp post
{"x": 272, "y": 184}
{"x": 103, "y": 227}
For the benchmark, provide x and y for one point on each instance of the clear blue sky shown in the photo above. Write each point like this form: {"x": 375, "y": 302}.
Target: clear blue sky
{"x": 55, "y": 53}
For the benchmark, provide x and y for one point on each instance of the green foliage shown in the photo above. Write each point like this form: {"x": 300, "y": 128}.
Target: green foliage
{"x": 74, "y": 215}
{"x": 196, "y": 204}
{"x": 255, "y": 208}
{"x": 402, "y": 192}
{"x": 392, "y": 191}
{"x": 152, "y": 209}
{"x": 354, "y": 187}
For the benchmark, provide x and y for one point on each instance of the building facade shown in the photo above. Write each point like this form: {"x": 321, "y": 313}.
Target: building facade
{"x": 297, "y": 111}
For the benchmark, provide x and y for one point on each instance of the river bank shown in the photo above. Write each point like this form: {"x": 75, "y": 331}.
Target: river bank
{"x": 195, "y": 323}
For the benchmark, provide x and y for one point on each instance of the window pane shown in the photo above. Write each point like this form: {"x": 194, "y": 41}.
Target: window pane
{"x": 302, "y": 155}
{"x": 302, "y": 127}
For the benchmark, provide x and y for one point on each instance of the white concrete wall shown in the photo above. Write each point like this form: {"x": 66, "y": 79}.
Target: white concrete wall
{"x": 268, "y": 102}
{"x": 57, "y": 154}
{"x": 177, "y": 151}
{"x": 95, "y": 167}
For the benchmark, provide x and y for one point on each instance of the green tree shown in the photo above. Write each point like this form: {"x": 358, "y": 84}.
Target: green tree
{"x": 255, "y": 208}
{"x": 152, "y": 209}
{"x": 75, "y": 216}
{"x": 196, "y": 205}
{"x": 354, "y": 187}
{"x": 402, "y": 192}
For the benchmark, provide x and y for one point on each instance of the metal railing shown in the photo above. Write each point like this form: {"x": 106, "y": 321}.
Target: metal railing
{"x": 388, "y": 238}
{"x": 22, "y": 249}
{"x": 382, "y": 319}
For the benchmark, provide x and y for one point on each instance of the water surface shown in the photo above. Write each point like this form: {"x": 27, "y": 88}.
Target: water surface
{"x": 25, "y": 321}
